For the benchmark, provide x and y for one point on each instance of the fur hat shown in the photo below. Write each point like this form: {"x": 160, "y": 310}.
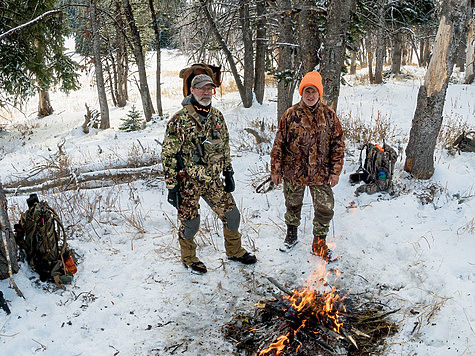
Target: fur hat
{"x": 314, "y": 79}
{"x": 187, "y": 74}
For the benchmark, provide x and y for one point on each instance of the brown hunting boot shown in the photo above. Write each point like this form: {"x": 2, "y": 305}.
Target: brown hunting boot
{"x": 291, "y": 238}
{"x": 320, "y": 248}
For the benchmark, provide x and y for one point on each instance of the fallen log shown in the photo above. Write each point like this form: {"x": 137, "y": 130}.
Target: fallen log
{"x": 74, "y": 180}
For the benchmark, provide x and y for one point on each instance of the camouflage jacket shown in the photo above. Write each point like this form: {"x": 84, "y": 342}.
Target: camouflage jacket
{"x": 309, "y": 145}
{"x": 201, "y": 148}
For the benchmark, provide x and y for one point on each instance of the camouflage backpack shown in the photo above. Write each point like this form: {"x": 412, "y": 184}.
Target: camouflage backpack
{"x": 41, "y": 235}
{"x": 377, "y": 171}
{"x": 464, "y": 143}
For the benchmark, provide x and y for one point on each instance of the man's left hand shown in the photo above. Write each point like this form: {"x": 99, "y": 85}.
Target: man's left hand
{"x": 229, "y": 184}
{"x": 333, "y": 180}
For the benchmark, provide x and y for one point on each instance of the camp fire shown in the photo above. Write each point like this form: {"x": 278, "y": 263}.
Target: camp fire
{"x": 309, "y": 310}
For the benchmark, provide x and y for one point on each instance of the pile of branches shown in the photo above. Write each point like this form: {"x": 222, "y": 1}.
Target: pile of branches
{"x": 365, "y": 327}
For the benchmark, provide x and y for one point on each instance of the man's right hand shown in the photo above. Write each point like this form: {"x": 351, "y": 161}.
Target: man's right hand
{"x": 174, "y": 197}
{"x": 276, "y": 178}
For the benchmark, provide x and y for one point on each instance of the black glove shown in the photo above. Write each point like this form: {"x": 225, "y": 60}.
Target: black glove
{"x": 174, "y": 197}
{"x": 229, "y": 182}
{"x": 20, "y": 233}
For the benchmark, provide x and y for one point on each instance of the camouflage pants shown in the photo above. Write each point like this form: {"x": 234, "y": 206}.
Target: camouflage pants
{"x": 221, "y": 202}
{"x": 323, "y": 203}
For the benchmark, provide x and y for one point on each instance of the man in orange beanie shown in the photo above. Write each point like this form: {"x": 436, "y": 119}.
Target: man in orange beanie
{"x": 308, "y": 151}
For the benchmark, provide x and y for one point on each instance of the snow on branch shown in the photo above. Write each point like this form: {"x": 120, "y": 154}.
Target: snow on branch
{"x": 29, "y": 23}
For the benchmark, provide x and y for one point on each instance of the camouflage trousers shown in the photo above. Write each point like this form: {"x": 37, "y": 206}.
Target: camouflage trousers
{"x": 221, "y": 202}
{"x": 323, "y": 203}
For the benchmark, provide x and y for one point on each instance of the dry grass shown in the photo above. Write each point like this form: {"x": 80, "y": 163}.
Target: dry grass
{"x": 228, "y": 86}
{"x": 170, "y": 73}
{"x": 451, "y": 130}
{"x": 378, "y": 129}
{"x": 469, "y": 228}
{"x": 257, "y": 137}
{"x": 26, "y": 129}
{"x": 361, "y": 79}
{"x": 139, "y": 155}
{"x": 172, "y": 92}
{"x": 429, "y": 194}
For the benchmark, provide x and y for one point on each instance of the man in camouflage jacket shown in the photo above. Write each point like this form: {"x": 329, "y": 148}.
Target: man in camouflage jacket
{"x": 308, "y": 151}
{"x": 195, "y": 153}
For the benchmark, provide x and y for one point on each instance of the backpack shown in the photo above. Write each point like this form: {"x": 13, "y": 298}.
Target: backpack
{"x": 377, "y": 171}
{"x": 464, "y": 143}
{"x": 41, "y": 235}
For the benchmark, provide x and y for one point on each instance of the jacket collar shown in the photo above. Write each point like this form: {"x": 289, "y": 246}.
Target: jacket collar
{"x": 309, "y": 110}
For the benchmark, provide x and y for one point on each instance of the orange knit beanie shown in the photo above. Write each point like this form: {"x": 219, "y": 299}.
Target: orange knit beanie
{"x": 313, "y": 79}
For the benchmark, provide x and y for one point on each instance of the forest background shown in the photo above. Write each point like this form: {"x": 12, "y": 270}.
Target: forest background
{"x": 261, "y": 45}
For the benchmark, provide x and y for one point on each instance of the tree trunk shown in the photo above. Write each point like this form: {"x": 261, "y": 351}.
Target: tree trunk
{"x": 140, "y": 61}
{"x": 309, "y": 39}
{"x": 285, "y": 68}
{"x": 111, "y": 81}
{"x": 396, "y": 53}
{"x": 44, "y": 104}
{"x": 225, "y": 49}
{"x": 353, "y": 62}
{"x": 427, "y": 51}
{"x": 369, "y": 51}
{"x": 122, "y": 64}
{"x": 405, "y": 52}
{"x": 96, "y": 45}
{"x": 370, "y": 68}
{"x": 7, "y": 234}
{"x": 156, "y": 31}
{"x": 470, "y": 60}
{"x": 430, "y": 101}
{"x": 362, "y": 54}
{"x": 338, "y": 18}
{"x": 261, "y": 45}
{"x": 460, "y": 56}
{"x": 380, "y": 34}
{"x": 248, "y": 53}
{"x": 421, "y": 53}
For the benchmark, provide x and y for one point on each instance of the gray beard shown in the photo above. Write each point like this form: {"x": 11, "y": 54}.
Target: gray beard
{"x": 203, "y": 103}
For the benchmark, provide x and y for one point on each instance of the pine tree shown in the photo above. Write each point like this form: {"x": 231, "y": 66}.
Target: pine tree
{"x": 32, "y": 55}
{"x": 133, "y": 121}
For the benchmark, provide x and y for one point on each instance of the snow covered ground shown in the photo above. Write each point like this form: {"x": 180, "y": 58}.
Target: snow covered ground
{"x": 131, "y": 296}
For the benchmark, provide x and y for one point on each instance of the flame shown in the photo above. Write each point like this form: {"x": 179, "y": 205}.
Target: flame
{"x": 315, "y": 299}
{"x": 278, "y": 346}
{"x": 320, "y": 299}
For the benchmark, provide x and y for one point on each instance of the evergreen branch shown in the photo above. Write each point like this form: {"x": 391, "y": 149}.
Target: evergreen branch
{"x": 29, "y": 23}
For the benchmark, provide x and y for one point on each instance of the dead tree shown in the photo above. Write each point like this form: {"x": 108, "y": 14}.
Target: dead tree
{"x": 339, "y": 13}
{"x": 427, "y": 119}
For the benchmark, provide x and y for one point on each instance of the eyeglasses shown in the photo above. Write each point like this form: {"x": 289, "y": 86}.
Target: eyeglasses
{"x": 206, "y": 90}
